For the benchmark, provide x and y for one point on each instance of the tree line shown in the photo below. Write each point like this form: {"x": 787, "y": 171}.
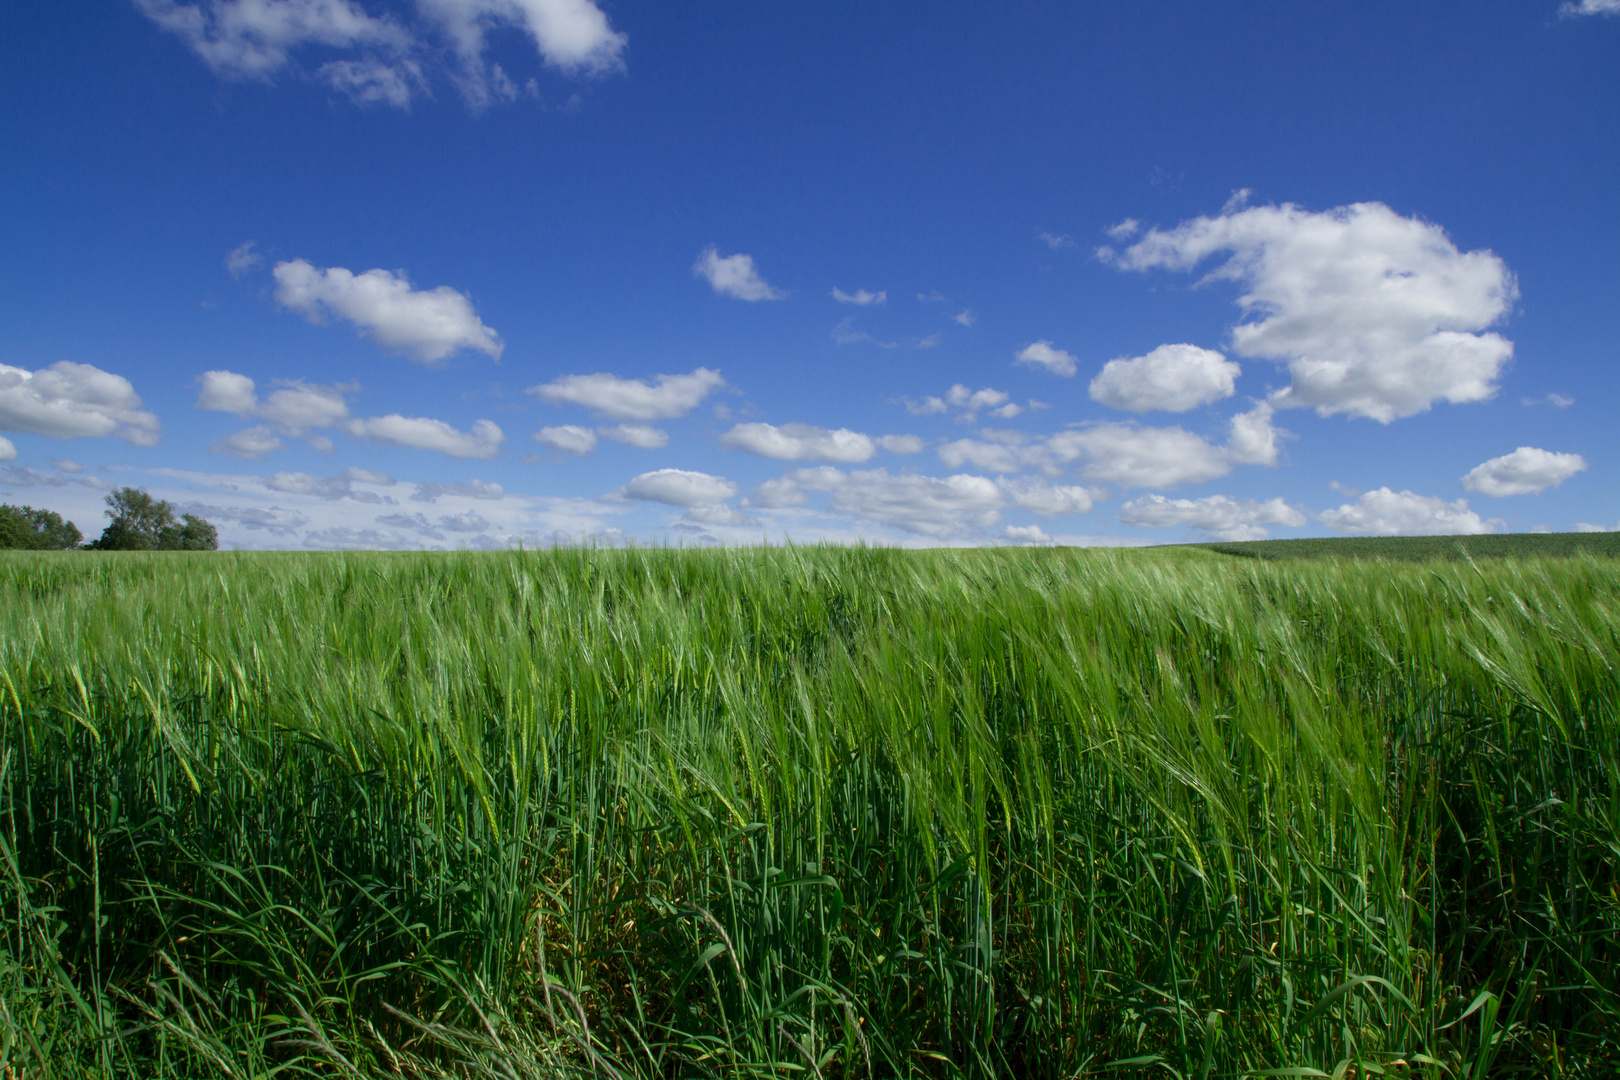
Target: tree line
{"x": 139, "y": 523}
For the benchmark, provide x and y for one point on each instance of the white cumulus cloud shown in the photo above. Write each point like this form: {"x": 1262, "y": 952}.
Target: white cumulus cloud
{"x": 1219, "y": 516}
{"x": 860, "y": 297}
{"x": 1526, "y": 471}
{"x": 296, "y": 405}
{"x": 943, "y": 508}
{"x": 1389, "y": 513}
{"x": 719, "y": 514}
{"x": 969, "y": 402}
{"x": 1174, "y": 378}
{"x": 251, "y": 443}
{"x": 573, "y": 36}
{"x": 1030, "y": 535}
{"x": 794, "y": 488}
{"x": 422, "y": 433}
{"x": 68, "y": 400}
{"x": 1132, "y": 456}
{"x": 252, "y": 39}
{"x": 292, "y": 409}
{"x": 1042, "y": 355}
{"x": 1591, "y": 7}
{"x": 667, "y": 397}
{"x": 1375, "y": 314}
{"x": 381, "y": 58}
{"x": 569, "y": 438}
{"x": 644, "y": 436}
{"x": 734, "y": 275}
{"x": 678, "y": 487}
{"x": 426, "y": 324}
{"x": 1046, "y": 500}
{"x": 924, "y": 505}
{"x": 806, "y": 442}
{"x": 1129, "y": 455}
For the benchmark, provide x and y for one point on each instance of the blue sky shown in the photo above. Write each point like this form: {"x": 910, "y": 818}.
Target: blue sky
{"x": 441, "y": 273}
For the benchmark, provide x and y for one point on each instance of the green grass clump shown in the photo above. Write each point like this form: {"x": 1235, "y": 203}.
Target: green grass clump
{"x": 819, "y": 812}
{"x": 1424, "y": 548}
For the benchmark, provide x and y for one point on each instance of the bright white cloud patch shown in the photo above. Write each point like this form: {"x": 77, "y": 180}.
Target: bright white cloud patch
{"x": 1388, "y": 513}
{"x": 1126, "y": 454}
{"x": 733, "y": 275}
{"x": 900, "y": 444}
{"x": 573, "y": 36}
{"x": 1174, "y": 378}
{"x": 860, "y": 297}
{"x": 426, "y": 324}
{"x": 569, "y": 438}
{"x": 718, "y": 514}
{"x": 1252, "y": 438}
{"x": 8, "y": 449}
{"x": 644, "y": 436}
{"x": 295, "y": 406}
{"x": 1042, "y": 355}
{"x": 251, "y": 443}
{"x": 1219, "y": 516}
{"x": 422, "y": 433}
{"x": 805, "y": 442}
{"x": 1046, "y": 500}
{"x": 1375, "y": 314}
{"x": 794, "y": 488}
{"x": 943, "y": 508}
{"x": 1591, "y": 7}
{"x": 1029, "y": 535}
{"x": 253, "y": 39}
{"x": 665, "y": 398}
{"x": 291, "y": 410}
{"x": 226, "y": 391}
{"x": 920, "y": 504}
{"x": 68, "y": 400}
{"x": 1133, "y": 456}
{"x": 969, "y": 402}
{"x": 679, "y": 487}
{"x": 1526, "y": 471}
{"x": 382, "y": 57}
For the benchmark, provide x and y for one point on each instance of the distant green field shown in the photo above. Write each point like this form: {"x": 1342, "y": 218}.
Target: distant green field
{"x": 808, "y": 812}
{"x": 1423, "y": 548}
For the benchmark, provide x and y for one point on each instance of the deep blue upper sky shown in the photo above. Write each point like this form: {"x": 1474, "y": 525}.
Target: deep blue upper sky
{"x": 630, "y": 190}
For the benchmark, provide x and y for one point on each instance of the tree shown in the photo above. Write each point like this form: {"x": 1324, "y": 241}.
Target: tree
{"x": 27, "y": 529}
{"x": 142, "y": 523}
{"x": 193, "y": 534}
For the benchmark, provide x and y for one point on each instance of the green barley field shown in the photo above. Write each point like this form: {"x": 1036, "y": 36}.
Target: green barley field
{"x": 808, "y": 812}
